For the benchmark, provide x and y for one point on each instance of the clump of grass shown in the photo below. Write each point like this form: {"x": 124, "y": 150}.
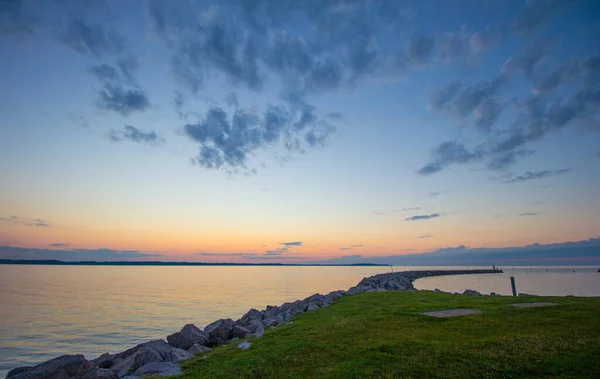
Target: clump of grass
{"x": 383, "y": 335}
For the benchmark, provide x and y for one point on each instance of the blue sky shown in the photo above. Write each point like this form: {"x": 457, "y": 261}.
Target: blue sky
{"x": 200, "y": 130}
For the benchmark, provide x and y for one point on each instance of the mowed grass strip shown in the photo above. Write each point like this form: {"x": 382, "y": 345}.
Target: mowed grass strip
{"x": 383, "y": 335}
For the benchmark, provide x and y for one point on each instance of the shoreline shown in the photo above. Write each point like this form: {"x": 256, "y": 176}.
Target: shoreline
{"x": 162, "y": 358}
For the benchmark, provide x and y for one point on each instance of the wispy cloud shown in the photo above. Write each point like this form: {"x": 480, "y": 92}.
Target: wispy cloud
{"x": 26, "y": 221}
{"x": 529, "y": 175}
{"x": 423, "y": 217}
{"x": 286, "y": 247}
{"x": 134, "y": 134}
{"x": 425, "y": 236}
{"x": 351, "y": 247}
{"x": 59, "y": 244}
{"x": 529, "y": 214}
{"x": 102, "y": 254}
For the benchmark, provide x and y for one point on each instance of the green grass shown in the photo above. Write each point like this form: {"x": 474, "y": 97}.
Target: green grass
{"x": 383, "y": 335}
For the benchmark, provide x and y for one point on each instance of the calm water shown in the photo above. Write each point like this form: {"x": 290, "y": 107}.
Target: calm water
{"x": 46, "y": 311}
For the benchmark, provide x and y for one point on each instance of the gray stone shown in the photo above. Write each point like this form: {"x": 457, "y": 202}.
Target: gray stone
{"x": 451, "y": 312}
{"x": 240, "y": 331}
{"x": 130, "y": 360}
{"x": 101, "y": 373}
{"x": 63, "y": 367}
{"x": 525, "y": 294}
{"x": 158, "y": 369}
{"x": 18, "y": 370}
{"x": 220, "y": 331}
{"x": 311, "y": 307}
{"x": 244, "y": 345}
{"x": 103, "y": 361}
{"x": 270, "y": 321}
{"x": 187, "y": 337}
{"x": 198, "y": 349}
{"x": 471, "y": 293}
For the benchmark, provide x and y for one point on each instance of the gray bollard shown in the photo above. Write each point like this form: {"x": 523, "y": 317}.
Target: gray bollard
{"x": 514, "y": 287}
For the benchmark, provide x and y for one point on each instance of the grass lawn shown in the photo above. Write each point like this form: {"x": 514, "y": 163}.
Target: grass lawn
{"x": 383, "y": 335}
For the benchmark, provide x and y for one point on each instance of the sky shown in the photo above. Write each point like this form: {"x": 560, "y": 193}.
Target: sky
{"x": 287, "y": 131}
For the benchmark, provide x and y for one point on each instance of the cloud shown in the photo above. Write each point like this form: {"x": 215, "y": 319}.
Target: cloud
{"x": 288, "y": 244}
{"x": 104, "y": 72}
{"x": 227, "y": 141}
{"x": 26, "y": 221}
{"x": 407, "y": 209}
{"x": 15, "y": 19}
{"x": 59, "y": 244}
{"x": 419, "y": 50}
{"x": 351, "y": 247}
{"x": 434, "y": 193}
{"x": 576, "y": 253}
{"x": 536, "y": 175}
{"x": 122, "y": 100}
{"x": 441, "y": 98}
{"x": 529, "y": 214}
{"x": 536, "y": 12}
{"x": 131, "y": 133}
{"x": 102, "y": 254}
{"x": 425, "y": 236}
{"x": 286, "y": 247}
{"x": 423, "y": 217}
{"x": 91, "y": 39}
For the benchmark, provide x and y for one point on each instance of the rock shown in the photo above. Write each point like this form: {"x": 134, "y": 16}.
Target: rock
{"x": 198, "y": 349}
{"x": 234, "y": 339}
{"x": 334, "y": 295}
{"x": 158, "y": 369}
{"x": 284, "y": 317}
{"x": 471, "y": 293}
{"x": 220, "y": 331}
{"x": 130, "y": 360}
{"x": 525, "y": 294}
{"x": 244, "y": 345}
{"x": 295, "y": 307}
{"x": 252, "y": 314}
{"x": 311, "y": 307}
{"x": 240, "y": 331}
{"x": 63, "y": 367}
{"x": 18, "y": 370}
{"x": 256, "y": 325}
{"x": 188, "y": 337}
{"x": 270, "y": 321}
{"x": 103, "y": 361}
{"x": 102, "y": 373}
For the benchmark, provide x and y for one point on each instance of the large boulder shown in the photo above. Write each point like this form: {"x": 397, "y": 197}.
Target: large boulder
{"x": 63, "y": 367}
{"x": 158, "y": 369}
{"x": 187, "y": 337}
{"x": 103, "y": 361}
{"x": 129, "y": 361}
{"x": 271, "y": 321}
{"x": 102, "y": 373}
{"x": 293, "y": 308}
{"x": 198, "y": 349}
{"x": 240, "y": 331}
{"x": 252, "y": 314}
{"x": 311, "y": 307}
{"x": 471, "y": 293}
{"x": 220, "y": 331}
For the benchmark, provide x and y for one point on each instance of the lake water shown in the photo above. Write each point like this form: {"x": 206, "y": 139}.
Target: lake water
{"x": 47, "y": 311}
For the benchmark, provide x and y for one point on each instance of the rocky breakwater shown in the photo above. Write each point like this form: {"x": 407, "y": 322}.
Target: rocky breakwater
{"x": 161, "y": 358}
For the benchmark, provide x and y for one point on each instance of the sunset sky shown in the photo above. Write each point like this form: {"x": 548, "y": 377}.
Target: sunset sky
{"x": 296, "y": 131}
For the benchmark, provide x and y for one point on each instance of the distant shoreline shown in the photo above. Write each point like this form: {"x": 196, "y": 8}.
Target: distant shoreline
{"x": 51, "y": 262}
